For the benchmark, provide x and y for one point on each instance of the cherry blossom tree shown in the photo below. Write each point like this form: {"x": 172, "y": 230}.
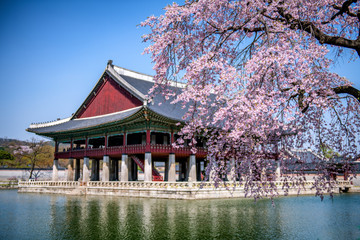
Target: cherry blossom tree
{"x": 258, "y": 84}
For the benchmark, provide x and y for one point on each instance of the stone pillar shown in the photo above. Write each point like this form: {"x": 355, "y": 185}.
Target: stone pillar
{"x": 171, "y": 168}
{"x": 70, "y": 173}
{"x": 232, "y": 174}
{"x": 77, "y": 169}
{"x": 97, "y": 172}
{"x": 105, "y": 172}
{"x": 116, "y": 170}
{"x": 212, "y": 172}
{"x": 93, "y": 170}
{"x": 183, "y": 171}
{"x": 124, "y": 168}
{"x": 111, "y": 170}
{"x": 278, "y": 170}
{"x": 134, "y": 171}
{"x": 263, "y": 175}
{"x": 55, "y": 174}
{"x": 198, "y": 171}
{"x": 148, "y": 167}
{"x": 130, "y": 166}
{"x": 86, "y": 173}
{"x": 192, "y": 168}
{"x": 166, "y": 170}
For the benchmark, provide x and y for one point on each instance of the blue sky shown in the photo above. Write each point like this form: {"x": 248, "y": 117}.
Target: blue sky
{"x": 53, "y": 52}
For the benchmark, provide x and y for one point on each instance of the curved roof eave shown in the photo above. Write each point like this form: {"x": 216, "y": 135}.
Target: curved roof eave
{"x": 83, "y": 124}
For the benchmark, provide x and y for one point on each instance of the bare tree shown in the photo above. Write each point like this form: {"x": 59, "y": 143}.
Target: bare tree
{"x": 40, "y": 155}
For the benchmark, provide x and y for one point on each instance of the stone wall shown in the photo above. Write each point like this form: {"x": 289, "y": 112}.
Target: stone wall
{"x": 167, "y": 190}
{"x": 23, "y": 174}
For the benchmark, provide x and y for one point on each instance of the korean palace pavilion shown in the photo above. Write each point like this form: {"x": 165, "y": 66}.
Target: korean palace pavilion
{"x": 117, "y": 131}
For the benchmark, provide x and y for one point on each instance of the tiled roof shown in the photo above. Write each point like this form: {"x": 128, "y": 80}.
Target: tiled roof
{"x": 136, "y": 83}
{"x": 82, "y": 123}
{"x": 166, "y": 109}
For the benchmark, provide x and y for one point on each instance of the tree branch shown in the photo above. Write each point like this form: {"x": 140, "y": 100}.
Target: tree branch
{"x": 344, "y": 9}
{"x": 348, "y": 90}
{"x": 310, "y": 28}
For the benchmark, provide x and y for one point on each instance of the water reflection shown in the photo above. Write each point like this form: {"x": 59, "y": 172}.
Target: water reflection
{"x": 131, "y": 218}
{"x": 33, "y": 216}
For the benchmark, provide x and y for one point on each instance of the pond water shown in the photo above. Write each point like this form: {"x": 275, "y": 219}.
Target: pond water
{"x": 42, "y": 216}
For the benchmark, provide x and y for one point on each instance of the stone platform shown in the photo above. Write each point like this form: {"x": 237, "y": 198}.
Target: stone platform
{"x": 167, "y": 190}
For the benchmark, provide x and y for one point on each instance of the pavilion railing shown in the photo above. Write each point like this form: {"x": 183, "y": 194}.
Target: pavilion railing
{"x": 115, "y": 149}
{"x": 135, "y": 149}
{"x": 128, "y": 149}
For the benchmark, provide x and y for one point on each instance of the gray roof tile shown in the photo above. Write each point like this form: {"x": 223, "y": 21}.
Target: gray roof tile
{"x": 166, "y": 109}
{"x": 83, "y": 123}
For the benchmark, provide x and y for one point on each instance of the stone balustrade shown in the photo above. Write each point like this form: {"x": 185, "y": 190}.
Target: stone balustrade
{"x": 343, "y": 183}
{"x": 48, "y": 184}
{"x": 169, "y": 190}
{"x": 163, "y": 185}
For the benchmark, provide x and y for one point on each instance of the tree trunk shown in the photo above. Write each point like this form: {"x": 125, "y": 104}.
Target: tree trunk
{"x": 31, "y": 170}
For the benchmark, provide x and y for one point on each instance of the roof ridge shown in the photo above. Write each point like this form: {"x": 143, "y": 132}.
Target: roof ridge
{"x": 141, "y": 76}
{"x": 134, "y": 74}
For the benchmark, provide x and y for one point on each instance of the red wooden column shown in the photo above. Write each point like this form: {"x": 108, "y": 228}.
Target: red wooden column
{"x": 346, "y": 173}
{"x": 124, "y": 143}
{"x": 71, "y": 144}
{"x": 86, "y": 146}
{"x": 124, "y": 139}
{"x": 106, "y": 144}
{"x": 172, "y": 141}
{"x": 148, "y": 140}
{"x": 56, "y": 146}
